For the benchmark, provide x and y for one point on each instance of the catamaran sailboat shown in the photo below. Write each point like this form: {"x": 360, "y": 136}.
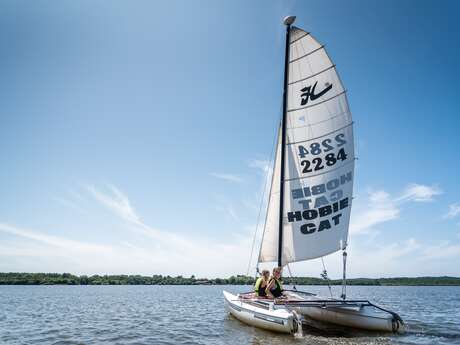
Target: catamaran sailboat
{"x": 310, "y": 196}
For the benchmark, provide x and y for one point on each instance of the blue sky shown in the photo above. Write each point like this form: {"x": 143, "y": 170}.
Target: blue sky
{"x": 134, "y": 137}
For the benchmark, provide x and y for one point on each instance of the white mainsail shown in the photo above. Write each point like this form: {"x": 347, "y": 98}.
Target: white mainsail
{"x": 319, "y": 160}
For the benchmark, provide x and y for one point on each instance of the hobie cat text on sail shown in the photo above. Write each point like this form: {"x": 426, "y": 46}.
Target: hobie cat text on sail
{"x": 318, "y": 201}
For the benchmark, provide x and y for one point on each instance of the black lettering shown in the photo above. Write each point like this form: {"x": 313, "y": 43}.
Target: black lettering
{"x": 325, "y": 211}
{"x": 310, "y": 214}
{"x": 336, "y": 218}
{"x": 335, "y": 205}
{"x": 294, "y": 216}
{"x": 308, "y": 228}
{"x": 324, "y": 224}
{"x": 343, "y": 203}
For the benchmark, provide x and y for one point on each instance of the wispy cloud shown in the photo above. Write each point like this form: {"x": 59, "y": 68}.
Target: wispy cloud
{"x": 419, "y": 193}
{"x": 383, "y": 259}
{"x": 229, "y": 211}
{"x": 266, "y": 168}
{"x": 55, "y": 241}
{"x": 442, "y": 250}
{"x": 454, "y": 210}
{"x": 382, "y": 207}
{"x": 115, "y": 201}
{"x": 147, "y": 250}
{"x": 70, "y": 204}
{"x": 73, "y": 200}
{"x": 119, "y": 204}
{"x": 227, "y": 177}
{"x": 164, "y": 251}
{"x": 264, "y": 165}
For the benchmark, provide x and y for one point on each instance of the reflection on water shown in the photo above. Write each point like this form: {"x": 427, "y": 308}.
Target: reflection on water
{"x": 196, "y": 315}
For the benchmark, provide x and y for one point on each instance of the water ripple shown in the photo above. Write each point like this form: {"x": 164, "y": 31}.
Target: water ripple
{"x": 141, "y": 315}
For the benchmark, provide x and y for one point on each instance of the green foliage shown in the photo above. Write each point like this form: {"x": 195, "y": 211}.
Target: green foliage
{"x": 70, "y": 279}
{"x": 415, "y": 281}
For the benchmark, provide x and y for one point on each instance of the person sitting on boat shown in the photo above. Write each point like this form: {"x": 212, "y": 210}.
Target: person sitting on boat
{"x": 275, "y": 288}
{"x": 261, "y": 284}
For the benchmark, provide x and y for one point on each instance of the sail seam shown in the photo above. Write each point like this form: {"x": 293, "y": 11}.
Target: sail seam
{"x": 299, "y": 38}
{"x": 312, "y": 52}
{"x": 313, "y": 105}
{"x": 326, "y": 172}
{"x": 313, "y": 75}
{"x": 319, "y": 122}
{"x": 324, "y": 135}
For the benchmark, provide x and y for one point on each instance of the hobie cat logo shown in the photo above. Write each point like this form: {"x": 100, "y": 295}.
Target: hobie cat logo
{"x": 309, "y": 93}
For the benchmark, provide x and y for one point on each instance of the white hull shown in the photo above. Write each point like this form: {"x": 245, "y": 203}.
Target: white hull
{"x": 276, "y": 320}
{"x": 364, "y": 317}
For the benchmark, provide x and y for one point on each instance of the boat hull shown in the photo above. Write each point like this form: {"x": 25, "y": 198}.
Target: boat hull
{"x": 364, "y": 317}
{"x": 275, "y": 320}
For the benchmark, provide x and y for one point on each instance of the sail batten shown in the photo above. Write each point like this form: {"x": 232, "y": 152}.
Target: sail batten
{"x": 295, "y": 39}
{"x": 307, "y": 54}
{"x": 319, "y": 159}
{"x": 312, "y": 75}
{"x": 318, "y": 137}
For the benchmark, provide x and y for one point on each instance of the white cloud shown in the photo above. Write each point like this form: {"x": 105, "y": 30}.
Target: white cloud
{"x": 55, "y": 241}
{"x": 442, "y": 250}
{"x": 264, "y": 165}
{"x": 167, "y": 253}
{"x": 148, "y": 250}
{"x": 419, "y": 193}
{"x": 454, "y": 210}
{"x": 227, "y": 177}
{"x": 374, "y": 259}
{"x": 382, "y": 207}
{"x": 118, "y": 203}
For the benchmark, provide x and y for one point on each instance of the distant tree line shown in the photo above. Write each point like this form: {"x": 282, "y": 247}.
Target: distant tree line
{"x": 70, "y": 279}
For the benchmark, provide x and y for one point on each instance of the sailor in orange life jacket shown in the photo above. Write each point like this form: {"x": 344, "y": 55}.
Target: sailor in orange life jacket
{"x": 261, "y": 284}
{"x": 275, "y": 288}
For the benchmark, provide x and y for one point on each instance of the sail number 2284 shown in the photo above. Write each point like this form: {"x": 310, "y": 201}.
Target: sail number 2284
{"x": 317, "y": 148}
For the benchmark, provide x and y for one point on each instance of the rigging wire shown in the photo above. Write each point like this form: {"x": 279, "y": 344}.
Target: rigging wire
{"x": 261, "y": 205}
{"x": 326, "y": 277}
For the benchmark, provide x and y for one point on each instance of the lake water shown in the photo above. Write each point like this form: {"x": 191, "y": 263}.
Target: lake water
{"x": 196, "y": 315}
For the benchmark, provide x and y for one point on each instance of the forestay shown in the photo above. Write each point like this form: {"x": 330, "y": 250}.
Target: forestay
{"x": 319, "y": 159}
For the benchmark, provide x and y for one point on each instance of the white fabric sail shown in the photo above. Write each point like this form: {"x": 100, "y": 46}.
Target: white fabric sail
{"x": 269, "y": 247}
{"x": 319, "y": 160}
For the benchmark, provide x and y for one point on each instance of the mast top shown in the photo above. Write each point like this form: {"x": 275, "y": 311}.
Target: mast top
{"x": 289, "y": 20}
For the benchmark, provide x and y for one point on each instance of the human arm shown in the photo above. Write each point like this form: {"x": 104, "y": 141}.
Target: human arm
{"x": 270, "y": 286}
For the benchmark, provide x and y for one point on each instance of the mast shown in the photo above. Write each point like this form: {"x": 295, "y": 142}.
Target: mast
{"x": 288, "y": 21}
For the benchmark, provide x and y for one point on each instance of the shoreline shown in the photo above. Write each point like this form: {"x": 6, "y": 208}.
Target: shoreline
{"x": 12, "y": 278}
